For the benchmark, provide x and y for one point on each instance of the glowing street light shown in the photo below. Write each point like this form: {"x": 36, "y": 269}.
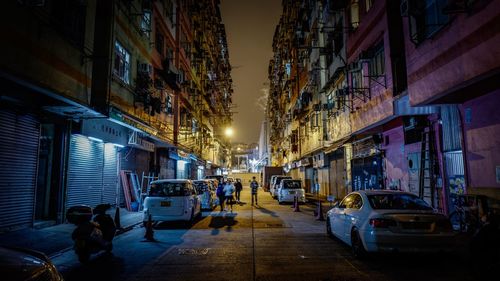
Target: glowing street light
{"x": 229, "y": 132}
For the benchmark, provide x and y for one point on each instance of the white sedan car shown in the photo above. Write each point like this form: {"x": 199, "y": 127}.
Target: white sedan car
{"x": 389, "y": 221}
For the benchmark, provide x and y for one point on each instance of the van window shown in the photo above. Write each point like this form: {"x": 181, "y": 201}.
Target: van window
{"x": 164, "y": 189}
{"x": 291, "y": 185}
{"x": 279, "y": 179}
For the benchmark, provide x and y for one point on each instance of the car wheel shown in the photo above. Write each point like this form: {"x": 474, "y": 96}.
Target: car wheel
{"x": 329, "y": 228}
{"x": 358, "y": 250}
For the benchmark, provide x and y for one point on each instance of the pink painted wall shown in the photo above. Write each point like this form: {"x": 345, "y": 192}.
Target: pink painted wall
{"x": 462, "y": 50}
{"x": 396, "y": 161}
{"x": 482, "y": 139}
{"x": 372, "y": 28}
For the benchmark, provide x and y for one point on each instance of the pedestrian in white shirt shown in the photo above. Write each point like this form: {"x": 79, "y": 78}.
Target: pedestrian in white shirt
{"x": 228, "y": 192}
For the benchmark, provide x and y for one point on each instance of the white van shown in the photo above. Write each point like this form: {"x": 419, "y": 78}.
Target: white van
{"x": 172, "y": 200}
{"x": 288, "y": 189}
{"x": 276, "y": 184}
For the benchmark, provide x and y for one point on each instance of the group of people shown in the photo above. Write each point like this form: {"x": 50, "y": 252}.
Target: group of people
{"x": 227, "y": 190}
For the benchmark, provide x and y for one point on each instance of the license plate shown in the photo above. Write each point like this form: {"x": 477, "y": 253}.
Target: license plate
{"x": 416, "y": 225}
{"x": 165, "y": 203}
{"x": 291, "y": 192}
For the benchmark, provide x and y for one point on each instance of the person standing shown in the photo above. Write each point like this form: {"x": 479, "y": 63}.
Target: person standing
{"x": 220, "y": 194}
{"x": 254, "y": 188}
{"x": 238, "y": 188}
{"x": 228, "y": 192}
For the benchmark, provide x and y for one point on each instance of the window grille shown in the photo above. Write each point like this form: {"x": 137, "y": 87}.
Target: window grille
{"x": 122, "y": 63}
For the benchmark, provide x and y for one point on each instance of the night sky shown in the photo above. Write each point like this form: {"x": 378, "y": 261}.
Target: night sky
{"x": 250, "y": 28}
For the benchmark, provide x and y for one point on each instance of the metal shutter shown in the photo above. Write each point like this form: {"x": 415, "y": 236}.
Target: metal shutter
{"x": 110, "y": 176}
{"x": 19, "y": 138}
{"x": 86, "y": 159}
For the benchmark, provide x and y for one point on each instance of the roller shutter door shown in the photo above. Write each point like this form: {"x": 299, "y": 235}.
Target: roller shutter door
{"x": 92, "y": 172}
{"x": 110, "y": 177}
{"x": 19, "y": 141}
{"x": 85, "y": 167}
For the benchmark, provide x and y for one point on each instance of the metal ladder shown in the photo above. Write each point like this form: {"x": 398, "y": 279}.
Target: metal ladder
{"x": 428, "y": 169}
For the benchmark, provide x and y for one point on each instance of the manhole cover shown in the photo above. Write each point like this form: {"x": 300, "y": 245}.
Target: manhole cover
{"x": 192, "y": 252}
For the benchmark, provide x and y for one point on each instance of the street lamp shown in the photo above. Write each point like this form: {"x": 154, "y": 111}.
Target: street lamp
{"x": 229, "y": 132}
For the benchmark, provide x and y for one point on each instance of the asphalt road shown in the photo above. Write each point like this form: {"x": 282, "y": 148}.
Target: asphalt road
{"x": 268, "y": 242}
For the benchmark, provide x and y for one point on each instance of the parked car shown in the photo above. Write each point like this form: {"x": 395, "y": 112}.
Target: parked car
{"x": 288, "y": 189}
{"x": 18, "y": 264}
{"x": 172, "y": 200}
{"x": 271, "y": 182}
{"x": 275, "y": 184}
{"x": 206, "y": 190}
{"x": 383, "y": 220}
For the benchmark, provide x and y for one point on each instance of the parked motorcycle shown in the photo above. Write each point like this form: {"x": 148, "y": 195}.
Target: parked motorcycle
{"x": 94, "y": 231}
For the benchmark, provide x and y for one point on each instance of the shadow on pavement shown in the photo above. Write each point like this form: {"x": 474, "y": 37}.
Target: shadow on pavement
{"x": 266, "y": 211}
{"x": 226, "y": 220}
{"x": 101, "y": 267}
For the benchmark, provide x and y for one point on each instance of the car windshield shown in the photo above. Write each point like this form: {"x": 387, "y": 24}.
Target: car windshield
{"x": 291, "y": 185}
{"x": 397, "y": 202}
{"x": 200, "y": 186}
{"x": 163, "y": 189}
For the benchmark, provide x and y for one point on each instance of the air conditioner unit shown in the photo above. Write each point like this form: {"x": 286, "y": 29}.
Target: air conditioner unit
{"x": 317, "y": 107}
{"x": 145, "y": 68}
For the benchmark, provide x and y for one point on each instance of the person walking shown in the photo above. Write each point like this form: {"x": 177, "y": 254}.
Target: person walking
{"x": 228, "y": 193}
{"x": 238, "y": 188}
{"x": 220, "y": 194}
{"x": 255, "y": 187}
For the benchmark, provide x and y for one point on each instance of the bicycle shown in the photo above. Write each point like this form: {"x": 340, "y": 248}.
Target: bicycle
{"x": 466, "y": 218}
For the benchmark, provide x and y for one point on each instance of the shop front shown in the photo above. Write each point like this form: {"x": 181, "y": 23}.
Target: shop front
{"x": 94, "y": 162}
{"x": 366, "y": 165}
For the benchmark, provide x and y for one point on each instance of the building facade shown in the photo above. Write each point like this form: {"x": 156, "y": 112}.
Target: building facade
{"x": 96, "y": 93}
{"x": 384, "y": 95}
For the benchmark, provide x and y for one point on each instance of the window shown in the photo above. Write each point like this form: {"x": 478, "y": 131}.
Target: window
{"x": 167, "y": 189}
{"x": 354, "y": 9}
{"x": 377, "y": 62}
{"x": 69, "y": 18}
{"x": 169, "y": 10}
{"x": 426, "y": 18}
{"x": 368, "y": 5}
{"x": 356, "y": 78}
{"x": 168, "y": 104}
{"x": 397, "y": 202}
{"x": 122, "y": 63}
{"x": 159, "y": 42}
{"x": 146, "y": 23}
{"x": 338, "y": 37}
{"x": 352, "y": 201}
{"x": 330, "y": 102}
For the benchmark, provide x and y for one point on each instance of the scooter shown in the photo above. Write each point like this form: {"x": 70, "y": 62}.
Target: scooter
{"x": 94, "y": 230}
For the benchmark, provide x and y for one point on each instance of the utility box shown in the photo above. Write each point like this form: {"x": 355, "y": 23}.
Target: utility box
{"x": 267, "y": 172}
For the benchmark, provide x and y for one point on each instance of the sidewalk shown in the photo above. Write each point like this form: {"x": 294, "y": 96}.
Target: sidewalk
{"x": 55, "y": 239}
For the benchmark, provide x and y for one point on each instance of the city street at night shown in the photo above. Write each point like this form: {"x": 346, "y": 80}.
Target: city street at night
{"x": 369, "y": 130}
{"x": 268, "y": 242}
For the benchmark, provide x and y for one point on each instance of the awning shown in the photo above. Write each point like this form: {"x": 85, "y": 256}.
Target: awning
{"x": 335, "y": 145}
